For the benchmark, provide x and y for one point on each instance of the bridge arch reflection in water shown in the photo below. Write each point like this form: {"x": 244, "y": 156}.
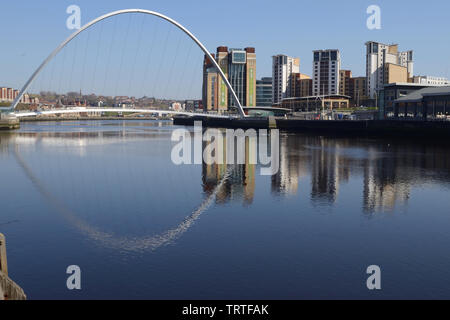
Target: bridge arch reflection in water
{"x": 215, "y": 191}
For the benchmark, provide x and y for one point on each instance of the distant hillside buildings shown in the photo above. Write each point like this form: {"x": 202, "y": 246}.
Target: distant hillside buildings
{"x": 10, "y": 94}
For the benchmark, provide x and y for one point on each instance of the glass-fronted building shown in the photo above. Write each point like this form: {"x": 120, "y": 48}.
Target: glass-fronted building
{"x": 424, "y": 104}
{"x": 264, "y": 92}
{"x": 236, "y": 74}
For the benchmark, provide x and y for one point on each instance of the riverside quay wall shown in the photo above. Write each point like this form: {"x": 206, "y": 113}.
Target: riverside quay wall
{"x": 438, "y": 129}
{"x": 8, "y": 123}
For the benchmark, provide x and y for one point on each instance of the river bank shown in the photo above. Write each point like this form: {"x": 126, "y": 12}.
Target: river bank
{"x": 405, "y": 128}
{"x": 9, "y": 123}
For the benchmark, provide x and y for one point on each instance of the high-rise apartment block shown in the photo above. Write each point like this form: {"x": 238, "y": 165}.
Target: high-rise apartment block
{"x": 282, "y": 69}
{"x": 383, "y": 64}
{"x": 239, "y": 66}
{"x": 326, "y": 69}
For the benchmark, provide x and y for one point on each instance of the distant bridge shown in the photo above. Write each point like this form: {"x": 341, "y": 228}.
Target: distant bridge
{"x": 22, "y": 114}
{"x": 91, "y": 23}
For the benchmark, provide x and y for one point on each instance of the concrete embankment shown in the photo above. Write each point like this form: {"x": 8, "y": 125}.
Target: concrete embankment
{"x": 438, "y": 129}
{"x": 7, "y": 123}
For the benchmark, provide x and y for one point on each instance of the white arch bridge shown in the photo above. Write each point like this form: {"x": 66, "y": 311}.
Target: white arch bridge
{"x": 14, "y": 104}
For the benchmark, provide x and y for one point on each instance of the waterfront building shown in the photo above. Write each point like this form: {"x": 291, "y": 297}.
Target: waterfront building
{"x": 210, "y": 87}
{"x": 25, "y": 99}
{"x": 357, "y": 90}
{"x": 193, "y": 105}
{"x": 316, "y": 103}
{"x": 301, "y": 85}
{"x": 10, "y": 94}
{"x": 264, "y": 92}
{"x": 3, "y": 94}
{"x": 306, "y": 86}
{"x": 378, "y": 55}
{"x": 392, "y": 92}
{"x": 326, "y": 72}
{"x": 437, "y": 81}
{"x": 239, "y": 66}
{"x": 266, "y": 111}
{"x": 282, "y": 69}
{"x": 344, "y": 82}
{"x": 424, "y": 104}
{"x": 395, "y": 73}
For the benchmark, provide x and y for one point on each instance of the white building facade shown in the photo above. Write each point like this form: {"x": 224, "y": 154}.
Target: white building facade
{"x": 282, "y": 69}
{"x": 437, "y": 81}
{"x": 326, "y": 70}
{"x": 377, "y": 56}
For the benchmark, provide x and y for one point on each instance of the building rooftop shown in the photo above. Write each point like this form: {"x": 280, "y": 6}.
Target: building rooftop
{"x": 418, "y": 95}
{"x": 411, "y": 84}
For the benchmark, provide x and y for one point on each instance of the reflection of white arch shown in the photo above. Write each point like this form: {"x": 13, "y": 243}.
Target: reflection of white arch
{"x": 111, "y": 14}
{"x": 122, "y": 243}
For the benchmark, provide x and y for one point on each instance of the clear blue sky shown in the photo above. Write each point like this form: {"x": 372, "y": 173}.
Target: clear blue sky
{"x": 31, "y": 29}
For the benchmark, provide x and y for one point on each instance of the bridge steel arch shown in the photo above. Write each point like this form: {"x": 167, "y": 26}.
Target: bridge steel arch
{"x": 115, "y": 13}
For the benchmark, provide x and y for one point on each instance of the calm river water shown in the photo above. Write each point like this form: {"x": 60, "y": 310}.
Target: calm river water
{"x": 105, "y": 195}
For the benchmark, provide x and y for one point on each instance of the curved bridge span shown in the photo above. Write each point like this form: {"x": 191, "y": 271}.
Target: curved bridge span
{"x": 119, "y": 110}
{"x": 115, "y": 13}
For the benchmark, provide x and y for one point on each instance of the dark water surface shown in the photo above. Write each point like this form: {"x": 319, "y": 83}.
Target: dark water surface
{"x": 105, "y": 195}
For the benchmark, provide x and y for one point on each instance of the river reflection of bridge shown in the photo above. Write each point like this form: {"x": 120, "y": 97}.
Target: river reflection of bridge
{"x": 384, "y": 171}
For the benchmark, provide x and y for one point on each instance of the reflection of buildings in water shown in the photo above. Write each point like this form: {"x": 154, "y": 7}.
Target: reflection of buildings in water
{"x": 293, "y": 166}
{"x": 4, "y": 140}
{"x": 383, "y": 197}
{"x": 241, "y": 181}
{"x": 329, "y": 168}
{"x": 319, "y": 157}
{"x": 388, "y": 179}
{"x": 388, "y": 171}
